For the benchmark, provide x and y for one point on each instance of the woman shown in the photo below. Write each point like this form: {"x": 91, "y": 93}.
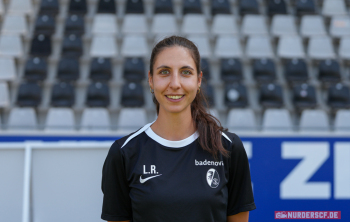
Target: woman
{"x": 184, "y": 166}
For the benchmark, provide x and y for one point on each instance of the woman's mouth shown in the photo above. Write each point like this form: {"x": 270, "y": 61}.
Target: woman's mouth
{"x": 175, "y": 98}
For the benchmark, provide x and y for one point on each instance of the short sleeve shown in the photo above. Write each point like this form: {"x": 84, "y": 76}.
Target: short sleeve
{"x": 116, "y": 201}
{"x": 240, "y": 192}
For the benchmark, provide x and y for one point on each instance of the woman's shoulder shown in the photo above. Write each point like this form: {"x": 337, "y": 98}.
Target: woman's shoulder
{"x": 231, "y": 141}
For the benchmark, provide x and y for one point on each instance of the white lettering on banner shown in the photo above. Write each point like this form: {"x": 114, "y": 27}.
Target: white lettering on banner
{"x": 342, "y": 170}
{"x": 295, "y": 185}
{"x": 249, "y": 150}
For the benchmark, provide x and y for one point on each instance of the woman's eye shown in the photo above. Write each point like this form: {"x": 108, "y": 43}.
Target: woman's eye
{"x": 186, "y": 72}
{"x": 164, "y": 72}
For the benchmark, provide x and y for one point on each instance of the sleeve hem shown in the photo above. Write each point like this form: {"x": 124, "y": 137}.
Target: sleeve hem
{"x": 114, "y": 217}
{"x": 244, "y": 208}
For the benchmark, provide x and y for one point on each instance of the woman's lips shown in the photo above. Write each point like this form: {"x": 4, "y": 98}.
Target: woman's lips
{"x": 175, "y": 100}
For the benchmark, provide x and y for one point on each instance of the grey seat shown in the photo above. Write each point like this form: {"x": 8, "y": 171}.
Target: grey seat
{"x": 340, "y": 26}
{"x": 290, "y": 47}
{"x": 60, "y": 119}
{"x": 277, "y": 120}
{"x": 20, "y": 7}
{"x": 104, "y": 24}
{"x": 312, "y": 25}
{"x": 241, "y": 119}
{"x": 344, "y": 48}
{"x": 194, "y": 24}
{"x": 95, "y": 119}
{"x": 14, "y": 24}
{"x": 254, "y": 25}
{"x": 134, "y": 24}
{"x": 22, "y": 119}
{"x": 164, "y": 24}
{"x": 103, "y": 46}
{"x": 283, "y": 25}
{"x": 224, "y": 25}
{"x": 321, "y": 47}
{"x": 11, "y": 45}
{"x": 134, "y": 46}
{"x": 228, "y": 47}
{"x": 259, "y": 47}
{"x": 334, "y": 7}
{"x": 314, "y": 120}
{"x": 202, "y": 43}
{"x": 132, "y": 118}
{"x": 342, "y": 121}
{"x": 4, "y": 95}
{"x": 7, "y": 69}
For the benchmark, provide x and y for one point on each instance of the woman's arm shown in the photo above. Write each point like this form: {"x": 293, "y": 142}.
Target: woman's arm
{"x": 240, "y": 217}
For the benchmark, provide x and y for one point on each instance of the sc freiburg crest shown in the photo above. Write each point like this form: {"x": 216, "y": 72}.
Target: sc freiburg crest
{"x": 213, "y": 178}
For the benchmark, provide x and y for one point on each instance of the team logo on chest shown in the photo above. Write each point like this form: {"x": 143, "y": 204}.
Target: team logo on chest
{"x": 213, "y": 178}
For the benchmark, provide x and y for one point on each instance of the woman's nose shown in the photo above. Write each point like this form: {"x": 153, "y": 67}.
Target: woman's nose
{"x": 175, "y": 81}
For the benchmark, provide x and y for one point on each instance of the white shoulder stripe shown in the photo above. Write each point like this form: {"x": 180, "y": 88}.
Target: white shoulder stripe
{"x": 137, "y": 133}
{"x": 226, "y": 136}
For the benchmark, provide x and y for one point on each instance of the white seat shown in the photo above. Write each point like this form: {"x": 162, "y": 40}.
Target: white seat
{"x": 20, "y": 7}
{"x": 134, "y": 45}
{"x": 134, "y": 24}
{"x": 340, "y": 26}
{"x": 60, "y": 119}
{"x": 202, "y": 44}
{"x": 215, "y": 113}
{"x": 14, "y": 24}
{"x": 104, "y": 24}
{"x": 132, "y": 118}
{"x": 334, "y": 7}
{"x": 321, "y": 47}
{"x": 314, "y": 120}
{"x": 224, "y": 25}
{"x": 194, "y": 24}
{"x": 259, "y": 47}
{"x": 344, "y": 48}
{"x": 342, "y": 120}
{"x": 4, "y": 95}
{"x": 95, "y": 119}
{"x": 22, "y": 119}
{"x": 254, "y": 25}
{"x": 228, "y": 47}
{"x": 103, "y": 46}
{"x": 11, "y": 45}
{"x": 277, "y": 120}
{"x": 241, "y": 119}
{"x": 290, "y": 47}
{"x": 2, "y": 8}
{"x": 312, "y": 25}
{"x": 283, "y": 25}
{"x": 164, "y": 24}
{"x": 7, "y": 69}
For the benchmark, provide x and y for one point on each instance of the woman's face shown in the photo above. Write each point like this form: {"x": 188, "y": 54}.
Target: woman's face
{"x": 175, "y": 80}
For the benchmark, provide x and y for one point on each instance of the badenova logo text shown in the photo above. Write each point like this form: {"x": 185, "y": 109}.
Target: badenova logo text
{"x": 208, "y": 163}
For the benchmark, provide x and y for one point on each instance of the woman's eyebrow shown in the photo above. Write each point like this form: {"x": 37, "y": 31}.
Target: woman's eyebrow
{"x": 187, "y": 67}
{"x": 163, "y": 66}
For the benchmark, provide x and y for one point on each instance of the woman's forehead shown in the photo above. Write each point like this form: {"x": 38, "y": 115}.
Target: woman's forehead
{"x": 175, "y": 56}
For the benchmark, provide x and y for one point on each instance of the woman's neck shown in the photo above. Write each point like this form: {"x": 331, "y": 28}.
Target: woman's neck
{"x": 174, "y": 126}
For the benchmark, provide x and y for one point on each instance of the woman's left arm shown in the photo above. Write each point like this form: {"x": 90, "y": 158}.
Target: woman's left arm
{"x": 240, "y": 217}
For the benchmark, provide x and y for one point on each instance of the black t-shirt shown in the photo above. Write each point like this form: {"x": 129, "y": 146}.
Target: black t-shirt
{"x": 147, "y": 178}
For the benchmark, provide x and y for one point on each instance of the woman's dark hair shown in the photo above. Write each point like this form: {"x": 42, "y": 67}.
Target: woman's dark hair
{"x": 208, "y": 127}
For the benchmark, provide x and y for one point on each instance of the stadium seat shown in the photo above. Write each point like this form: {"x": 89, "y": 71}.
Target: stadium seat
{"x": 45, "y": 24}
{"x": 60, "y": 119}
{"x": 205, "y": 66}
{"x": 241, "y": 120}
{"x": 72, "y": 46}
{"x": 277, "y": 120}
{"x": 339, "y": 96}
{"x": 134, "y": 24}
{"x": 312, "y": 25}
{"x": 254, "y": 25}
{"x": 303, "y": 7}
{"x": 41, "y": 45}
{"x": 2, "y": 8}
{"x": 192, "y": 7}
{"x": 22, "y": 118}
{"x": 95, "y": 119}
{"x": 134, "y": 69}
{"x": 35, "y": 69}
{"x": 194, "y": 24}
{"x": 68, "y": 69}
{"x": 49, "y": 6}
{"x": 134, "y": 6}
{"x": 259, "y": 47}
{"x": 314, "y": 120}
{"x": 228, "y": 47}
{"x": 77, "y": 6}
{"x": 224, "y": 25}
{"x": 202, "y": 43}
{"x": 248, "y": 7}
{"x": 304, "y": 96}
{"x": 215, "y": 113}
{"x": 340, "y": 26}
{"x": 208, "y": 92}
{"x": 103, "y": 46}
{"x": 14, "y": 24}
{"x": 98, "y": 95}
{"x": 100, "y": 69}
{"x": 296, "y": 71}
{"x": 329, "y": 71}
{"x": 7, "y": 69}
{"x": 235, "y": 95}
{"x": 283, "y": 25}
{"x": 321, "y": 47}
{"x": 132, "y": 119}
{"x": 104, "y": 24}
{"x": 11, "y": 45}
{"x": 75, "y": 24}
{"x": 29, "y": 94}
{"x": 134, "y": 46}
{"x": 342, "y": 120}
{"x": 271, "y": 95}
{"x": 4, "y": 95}
{"x": 334, "y": 7}
{"x": 344, "y": 48}
{"x": 264, "y": 70}
{"x": 20, "y": 7}
{"x": 62, "y": 95}
{"x": 290, "y": 47}
{"x": 276, "y": 7}
{"x": 163, "y": 7}
{"x": 107, "y": 6}
{"x": 164, "y": 24}
{"x": 220, "y": 7}
{"x": 132, "y": 95}
{"x": 231, "y": 70}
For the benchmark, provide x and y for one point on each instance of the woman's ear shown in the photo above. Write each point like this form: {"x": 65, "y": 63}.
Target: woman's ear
{"x": 200, "y": 77}
{"x": 150, "y": 80}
